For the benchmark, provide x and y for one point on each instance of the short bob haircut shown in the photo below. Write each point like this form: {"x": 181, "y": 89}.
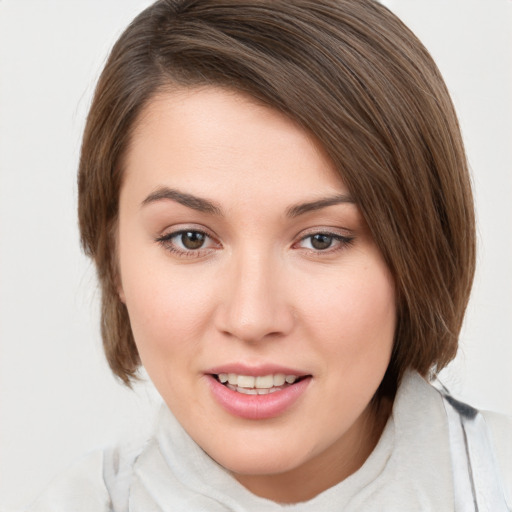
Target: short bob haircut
{"x": 350, "y": 73}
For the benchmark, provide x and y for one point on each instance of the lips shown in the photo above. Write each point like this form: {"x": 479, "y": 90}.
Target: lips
{"x": 257, "y": 393}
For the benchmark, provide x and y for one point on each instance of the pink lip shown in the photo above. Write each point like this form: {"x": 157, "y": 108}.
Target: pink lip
{"x": 257, "y": 407}
{"x": 261, "y": 369}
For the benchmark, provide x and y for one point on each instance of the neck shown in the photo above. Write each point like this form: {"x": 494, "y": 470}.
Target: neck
{"x": 329, "y": 468}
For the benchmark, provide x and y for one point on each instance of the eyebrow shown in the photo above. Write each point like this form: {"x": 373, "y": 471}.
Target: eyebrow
{"x": 206, "y": 206}
{"x": 188, "y": 200}
{"x": 300, "y": 209}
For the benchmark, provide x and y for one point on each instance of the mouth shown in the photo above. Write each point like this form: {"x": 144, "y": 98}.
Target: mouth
{"x": 257, "y": 392}
{"x": 258, "y": 385}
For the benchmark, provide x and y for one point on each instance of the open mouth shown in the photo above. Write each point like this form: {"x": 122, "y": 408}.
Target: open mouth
{"x": 260, "y": 385}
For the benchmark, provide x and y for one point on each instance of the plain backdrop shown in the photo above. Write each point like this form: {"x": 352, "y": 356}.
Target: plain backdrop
{"x": 57, "y": 397}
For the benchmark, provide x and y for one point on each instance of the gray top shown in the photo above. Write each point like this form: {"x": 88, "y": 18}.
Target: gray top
{"x": 435, "y": 454}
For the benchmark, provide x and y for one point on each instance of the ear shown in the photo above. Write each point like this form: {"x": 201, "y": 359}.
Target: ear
{"x": 118, "y": 283}
{"x": 120, "y": 291}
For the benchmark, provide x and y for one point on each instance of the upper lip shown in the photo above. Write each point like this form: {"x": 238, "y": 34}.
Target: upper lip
{"x": 255, "y": 370}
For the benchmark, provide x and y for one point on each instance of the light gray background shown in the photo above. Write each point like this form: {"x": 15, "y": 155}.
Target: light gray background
{"x": 57, "y": 397}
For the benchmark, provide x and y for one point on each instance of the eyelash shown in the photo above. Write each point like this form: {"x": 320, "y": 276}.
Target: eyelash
{"x": 339, "y": 242}
{"x": 167, "y": 242}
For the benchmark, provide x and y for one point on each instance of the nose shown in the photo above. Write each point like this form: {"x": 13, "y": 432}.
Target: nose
{"x": 255, "y": 304}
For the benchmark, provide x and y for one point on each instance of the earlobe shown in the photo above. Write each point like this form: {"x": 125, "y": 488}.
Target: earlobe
{"x": 119, "y": 287}
{"x": 116, "y": 276}
{"x": 120, "y": 293}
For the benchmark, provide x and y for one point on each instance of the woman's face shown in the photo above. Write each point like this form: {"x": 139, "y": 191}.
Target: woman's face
{"x": 243, "y": 257}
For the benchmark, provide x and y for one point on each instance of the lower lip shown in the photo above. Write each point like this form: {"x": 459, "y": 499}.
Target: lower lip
{"x": 257, "y": 407}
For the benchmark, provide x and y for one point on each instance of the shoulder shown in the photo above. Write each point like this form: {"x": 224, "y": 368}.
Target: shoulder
{"x": 500, "y": 430}
{"x": 98, "y": 482}
{"x": 481, "y": 444}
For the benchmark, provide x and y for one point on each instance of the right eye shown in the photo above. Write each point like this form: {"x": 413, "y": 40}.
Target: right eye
{"x": 187, "y": 242}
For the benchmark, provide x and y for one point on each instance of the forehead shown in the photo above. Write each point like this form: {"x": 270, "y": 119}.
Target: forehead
{"x": 201, "y": 137}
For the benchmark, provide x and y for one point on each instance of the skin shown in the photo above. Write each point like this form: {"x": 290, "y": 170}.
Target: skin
{"x": 258, "y": 291}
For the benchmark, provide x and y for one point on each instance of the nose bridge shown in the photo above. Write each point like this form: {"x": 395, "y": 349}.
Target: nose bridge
{"x": 255, "y": 304}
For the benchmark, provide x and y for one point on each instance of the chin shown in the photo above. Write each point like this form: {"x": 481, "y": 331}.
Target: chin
{"x": 252, "y": 458}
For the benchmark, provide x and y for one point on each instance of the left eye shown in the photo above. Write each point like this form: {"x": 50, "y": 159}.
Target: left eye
{"x": 324, "y": 241}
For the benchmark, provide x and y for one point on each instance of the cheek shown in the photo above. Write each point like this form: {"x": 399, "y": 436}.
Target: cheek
{"x": 157, "y": 308}
{"x": 355, "y": 313}
{"x": 166, "y": 308}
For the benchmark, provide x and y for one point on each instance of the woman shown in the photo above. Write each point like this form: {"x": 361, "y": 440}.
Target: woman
{"x": 276, "y": 198}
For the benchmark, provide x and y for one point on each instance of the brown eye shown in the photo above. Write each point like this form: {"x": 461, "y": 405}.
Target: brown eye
{"x": 187, "y": 242}
{"x": 321, "y": 241}
{"x": 325, "y": 242}
{"x": 192, "y": 239}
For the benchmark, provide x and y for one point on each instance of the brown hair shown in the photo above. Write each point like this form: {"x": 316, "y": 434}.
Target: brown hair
{"x": 350, "y": 73}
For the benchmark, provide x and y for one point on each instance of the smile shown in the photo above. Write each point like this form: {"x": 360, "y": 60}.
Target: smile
{"x": 257, "y": 397}
{"x": 256, "y": 385}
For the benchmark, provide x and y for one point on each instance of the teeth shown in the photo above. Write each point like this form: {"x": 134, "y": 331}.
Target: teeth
{"x": 262, "y": 383}
{"x": 265, "y": 382}
{"x": 245, "y": 381}
{"x": 280, "y": 379}
{"x": 253, "y": 391}
{"x": 249, "y": 391}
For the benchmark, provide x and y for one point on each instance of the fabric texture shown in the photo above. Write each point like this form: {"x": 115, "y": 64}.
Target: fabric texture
{"x": 413, "y": 467}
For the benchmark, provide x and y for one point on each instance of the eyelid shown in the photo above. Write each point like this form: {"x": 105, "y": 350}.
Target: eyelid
{"x": 343, "y": 238}
{"x": 165, "y": 240}
{"x": 325, "y": 230}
